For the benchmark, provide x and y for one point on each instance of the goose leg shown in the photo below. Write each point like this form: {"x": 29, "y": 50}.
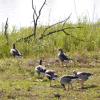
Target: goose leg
{"x": 62, "y": 64}
{"x": 63, "y": 86}
{"x": 50, "y": 83}
{"x": 68, "y": 87}
{"x": 71, "y": 85}
{"x": 82, "y": 84}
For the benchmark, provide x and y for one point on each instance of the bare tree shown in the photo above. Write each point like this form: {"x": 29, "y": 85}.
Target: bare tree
{"x": 5, "y": 31}
{"x": 36, "y": 16}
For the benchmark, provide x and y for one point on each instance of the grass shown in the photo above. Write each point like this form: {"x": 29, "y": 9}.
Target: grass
{"x": 89, "y": 33}
{"x": 19, "y": 82}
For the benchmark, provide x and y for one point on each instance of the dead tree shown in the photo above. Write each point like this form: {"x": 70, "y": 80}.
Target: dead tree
{"x": 5, "y": 31}
{"x": 36, "y": 16}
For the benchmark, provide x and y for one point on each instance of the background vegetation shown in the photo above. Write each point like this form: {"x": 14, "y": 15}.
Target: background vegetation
{"x": 82, "y": 40}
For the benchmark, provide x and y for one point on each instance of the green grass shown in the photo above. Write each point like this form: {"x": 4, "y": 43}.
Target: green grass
{"x": 19, "y": 82}
{"x": 89, "y": 33}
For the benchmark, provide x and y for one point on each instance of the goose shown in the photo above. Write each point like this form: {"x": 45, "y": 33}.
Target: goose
{"x": 15, "y": 52}
{"x": 82, "y": 77}
{"x": 40, "y": 69}
{"x": 62, "y": 57}
{"x": 51, "y": 75}
{"x": 67, "y": 80}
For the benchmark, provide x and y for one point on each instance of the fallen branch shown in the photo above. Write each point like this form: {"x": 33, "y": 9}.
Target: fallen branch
{"x": 57, "y": 24}
{"x": 73, "y": 36}
{"x": 25, "y": 39}
{"x": 55, "y": 31}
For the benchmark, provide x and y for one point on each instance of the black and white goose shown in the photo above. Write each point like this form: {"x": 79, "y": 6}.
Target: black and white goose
{"x": 15, "y": 52}
{"x": 51, "y": 75}
{"x": 67, "y": 80}
{"x": 62, "y": 57}
{"x": 82, "y": 77}
{"x": 40, "y": 69}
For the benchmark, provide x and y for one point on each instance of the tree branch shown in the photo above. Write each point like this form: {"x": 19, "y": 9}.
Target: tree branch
{"x": 66, "y": 20}
{"x": 57, "y": 23}
{"x": 41, "y": 8}
{"x": 34, "y": 9}
{"x": 33, "y": 18}
{"x": 24, "y": 39}
{"x": 73, "y": 36}
{"x": 55, "y": 31}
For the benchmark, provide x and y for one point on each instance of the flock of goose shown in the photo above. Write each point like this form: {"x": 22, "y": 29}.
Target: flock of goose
{"x": 81, "y": 77}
